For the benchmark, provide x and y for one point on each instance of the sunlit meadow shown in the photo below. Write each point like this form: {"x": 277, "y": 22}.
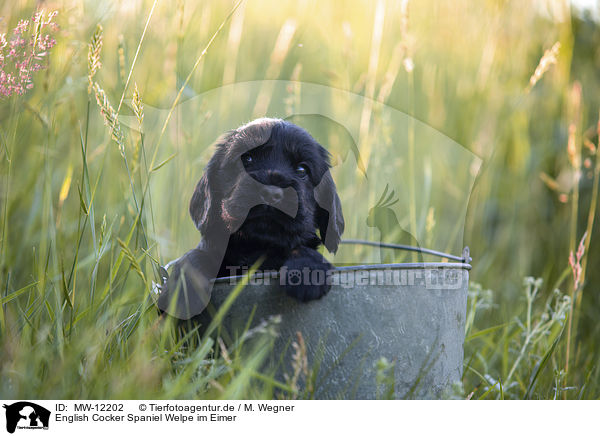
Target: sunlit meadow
{"x": 481, "y": 116}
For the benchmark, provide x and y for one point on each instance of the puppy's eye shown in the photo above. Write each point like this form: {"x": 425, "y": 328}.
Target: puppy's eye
{"x": 246, "y": 158}
{"x": 302, "y": 170}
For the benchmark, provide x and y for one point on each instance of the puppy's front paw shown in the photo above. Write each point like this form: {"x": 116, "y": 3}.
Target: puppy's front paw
{"x": 305, "y": 279}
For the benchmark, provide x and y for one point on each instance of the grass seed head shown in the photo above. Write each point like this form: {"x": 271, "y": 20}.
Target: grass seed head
{"x": 549, "y": 58}
{"x": 110, "y": 117}
{"x": 138, "y": 107}
{"x": 94, "y": 49}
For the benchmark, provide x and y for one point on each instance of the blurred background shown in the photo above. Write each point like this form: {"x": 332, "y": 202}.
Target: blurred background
{"x": 479, "y": 117}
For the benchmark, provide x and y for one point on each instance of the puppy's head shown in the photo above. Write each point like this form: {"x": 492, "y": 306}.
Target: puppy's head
{"x": 269, "y": 179}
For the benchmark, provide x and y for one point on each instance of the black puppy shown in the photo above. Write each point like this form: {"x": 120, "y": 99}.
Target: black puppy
{"x": 265, "y": 192}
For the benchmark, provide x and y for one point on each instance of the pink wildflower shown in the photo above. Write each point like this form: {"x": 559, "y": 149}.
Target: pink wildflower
{"x": 22, "y": 27}
{"x": 20, "y": 55}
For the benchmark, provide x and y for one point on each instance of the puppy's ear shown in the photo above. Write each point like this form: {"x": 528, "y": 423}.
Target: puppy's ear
{"x": 200, "y": 203}
{"x": 329, "y": 216}
{"x": 202, "y": 199}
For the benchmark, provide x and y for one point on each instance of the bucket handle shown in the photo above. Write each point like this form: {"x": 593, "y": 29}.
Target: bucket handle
{"x": 466, "y": 258}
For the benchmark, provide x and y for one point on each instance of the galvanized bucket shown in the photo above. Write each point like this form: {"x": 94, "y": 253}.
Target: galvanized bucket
{"x": 410, "y": 314}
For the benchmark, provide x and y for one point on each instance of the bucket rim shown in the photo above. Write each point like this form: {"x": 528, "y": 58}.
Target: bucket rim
{"x": 463, "y": 262}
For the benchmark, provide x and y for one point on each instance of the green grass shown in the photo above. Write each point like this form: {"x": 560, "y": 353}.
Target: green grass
{"x": 87, "y": 219}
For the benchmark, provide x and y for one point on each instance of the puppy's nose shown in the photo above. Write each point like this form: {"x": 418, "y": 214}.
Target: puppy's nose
{"x": 271, "y": 194}
{"x": 277, "y": 178}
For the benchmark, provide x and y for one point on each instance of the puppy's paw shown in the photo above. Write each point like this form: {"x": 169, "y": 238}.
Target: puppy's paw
{"x": 305, "y": 278}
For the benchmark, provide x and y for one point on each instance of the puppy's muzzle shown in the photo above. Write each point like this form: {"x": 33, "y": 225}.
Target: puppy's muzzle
{"x": 271, "y": 195}
{"x": 249, "y": 193}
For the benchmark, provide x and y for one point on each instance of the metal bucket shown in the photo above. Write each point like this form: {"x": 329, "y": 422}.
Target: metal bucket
{"x": 411, "y": 314}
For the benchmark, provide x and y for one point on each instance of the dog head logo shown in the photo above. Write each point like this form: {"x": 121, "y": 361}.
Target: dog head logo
{"x": 26, "y": 415}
